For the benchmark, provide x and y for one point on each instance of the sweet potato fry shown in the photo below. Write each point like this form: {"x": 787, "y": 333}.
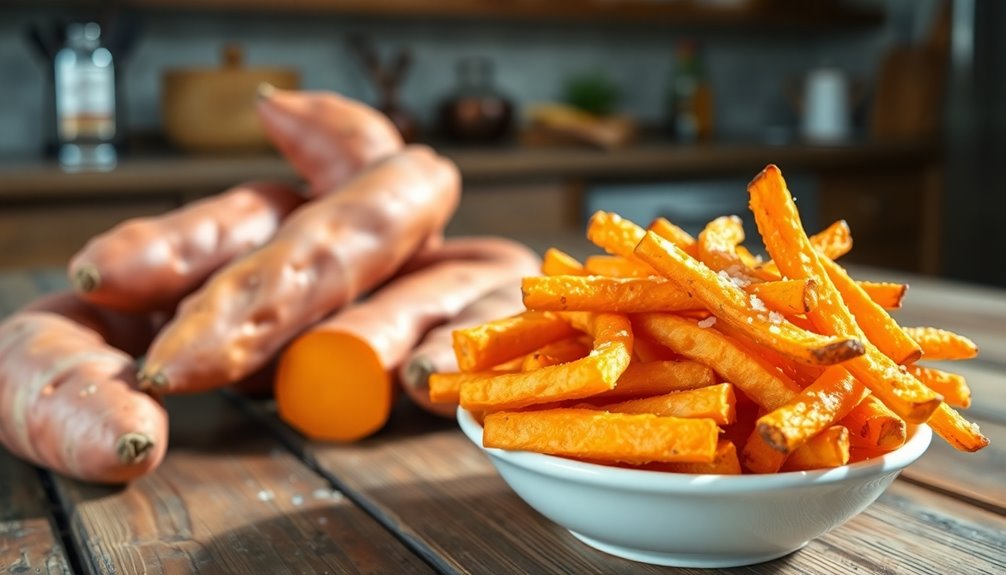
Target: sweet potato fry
{"x": 788, "y": 297}
{"x": 558, "y": 263}
{"x": 717, "y": 249}
{"x": 615, "y": 235}
{"x": 873, "y": 426}
{"x": 940, "y": 344}
{"x": 483, "y": 346}
{"x": 647, "y": 350}
{"x": 957, "y": 431}
{"x": 833, "y": 242}
{"x": 716, "y": 402}
{"x": 757, "y": 456}
{"x": 780, "y": 227}
{"x": 616, "y": 266}
{"x": 557, "y": 352}
{"x": 816, "y": 408}
{"x": 953, "y": 387}
{"x": 827, "y": 449}
{"x": 724, "y": 462}
{"x": 446, "y": 387}
{"x": 677, "y": 236}
{"x": 608, "y": 294}
{"x": 765, "y": 385}
{"x": 577, "y": 379}
{"x": 657, "y": 378}
{"x": 879, "y": 327}
{"x": 600, "y": 436}
{"x": 744, "y": 313}
{"x": 887, "y": 295}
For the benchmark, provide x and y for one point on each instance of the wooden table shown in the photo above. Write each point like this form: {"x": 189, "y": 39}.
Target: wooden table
{"x": 240, "y": 492}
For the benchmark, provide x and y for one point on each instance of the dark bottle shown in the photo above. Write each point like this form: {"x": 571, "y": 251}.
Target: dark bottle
{"x": 691, "y": 99}
{"x": 476, "y": 112}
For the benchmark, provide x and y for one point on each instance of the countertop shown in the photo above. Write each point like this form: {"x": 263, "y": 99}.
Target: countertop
{"x": 240, "y": 492}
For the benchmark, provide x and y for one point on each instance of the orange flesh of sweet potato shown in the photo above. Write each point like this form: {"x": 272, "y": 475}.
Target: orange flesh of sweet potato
{"x": 363, "y": 345}
{"x": 557, "y": 262}
{"x": 953, "y": 387}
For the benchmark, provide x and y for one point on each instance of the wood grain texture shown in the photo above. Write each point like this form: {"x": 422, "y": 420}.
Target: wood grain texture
{"x": 29, "y": 541}
{"x": 976, "y": 476}
{"x": 433, "y": 485}
{"x": 227, "y": 499}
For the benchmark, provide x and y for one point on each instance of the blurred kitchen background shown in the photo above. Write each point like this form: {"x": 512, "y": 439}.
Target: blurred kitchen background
{"x": 886, "y": 112}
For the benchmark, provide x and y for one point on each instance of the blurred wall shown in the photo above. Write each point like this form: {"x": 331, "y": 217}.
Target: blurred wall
{"x": 748, "y": 68}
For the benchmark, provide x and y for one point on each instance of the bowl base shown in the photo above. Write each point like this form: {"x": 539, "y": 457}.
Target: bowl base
{"x": 699, "y": 560}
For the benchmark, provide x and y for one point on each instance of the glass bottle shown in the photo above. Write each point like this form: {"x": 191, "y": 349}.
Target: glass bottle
{"x": 85, "y": 100}
{"x": 691, "y": 97}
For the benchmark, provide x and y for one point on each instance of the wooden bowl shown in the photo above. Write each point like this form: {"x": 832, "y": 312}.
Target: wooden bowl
{"x": 212, "y": 110}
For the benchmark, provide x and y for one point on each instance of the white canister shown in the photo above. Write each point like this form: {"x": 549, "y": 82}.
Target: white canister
{"x": 826, "y": 116}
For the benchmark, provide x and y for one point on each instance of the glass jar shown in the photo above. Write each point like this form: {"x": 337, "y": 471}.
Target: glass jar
{"x": 476, "y": 112}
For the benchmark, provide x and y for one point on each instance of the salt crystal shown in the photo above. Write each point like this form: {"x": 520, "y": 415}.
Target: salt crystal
{"x": 708, "y": 322}
{"x": 750, "y": 319}
{"x": 775, "y": 317}
{"x": 266, "y": 495}
{"x": 757, "y": 304}
{"x": 774, "y": 329}
{"x": 297, "y": 500}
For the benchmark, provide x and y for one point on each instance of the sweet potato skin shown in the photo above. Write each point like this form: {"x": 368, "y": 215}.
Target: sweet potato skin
{"x": 435, "y": 353}
{"x": 326, "y": 137}
{"x": 394, "y": 319}
{"x": 68, "y": 401}
{"x": 126, "y": 331}
{"x": 325, "y": 256}
{"x": 151, "y": 263}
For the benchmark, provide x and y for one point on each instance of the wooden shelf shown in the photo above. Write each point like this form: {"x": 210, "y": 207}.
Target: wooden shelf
{"x": 762, "y": 13}
{"x": 136, "y": 176}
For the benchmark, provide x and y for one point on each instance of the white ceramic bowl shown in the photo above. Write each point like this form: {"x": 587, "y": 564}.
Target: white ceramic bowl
{"x": 695, "y": 520}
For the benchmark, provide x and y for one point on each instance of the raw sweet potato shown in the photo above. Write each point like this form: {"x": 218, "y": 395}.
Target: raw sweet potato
{"x": 151, "y": 263}
{"x": 68, "y": 401}
{"x": 336, "y": 381}
{"x": 327, "y": 138}
{"x": 126, "y": 331}
{"x": 435, "y": 353}
{"x": 323, "y": 257}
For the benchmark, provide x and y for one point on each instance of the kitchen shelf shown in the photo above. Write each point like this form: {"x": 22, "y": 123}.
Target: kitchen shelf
{"x": 762, "y": 13}
{"x": 156, "y": 174}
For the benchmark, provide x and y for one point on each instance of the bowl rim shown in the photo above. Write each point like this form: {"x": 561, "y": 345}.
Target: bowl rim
{"x": 920, "y": 437}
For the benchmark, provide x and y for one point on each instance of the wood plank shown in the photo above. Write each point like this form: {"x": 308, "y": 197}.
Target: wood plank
{"x": 434, "y": 486}
{"x": 29, "y": 540}
{"x": 977, "y": 476}
{"x": 227, "y": 499}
